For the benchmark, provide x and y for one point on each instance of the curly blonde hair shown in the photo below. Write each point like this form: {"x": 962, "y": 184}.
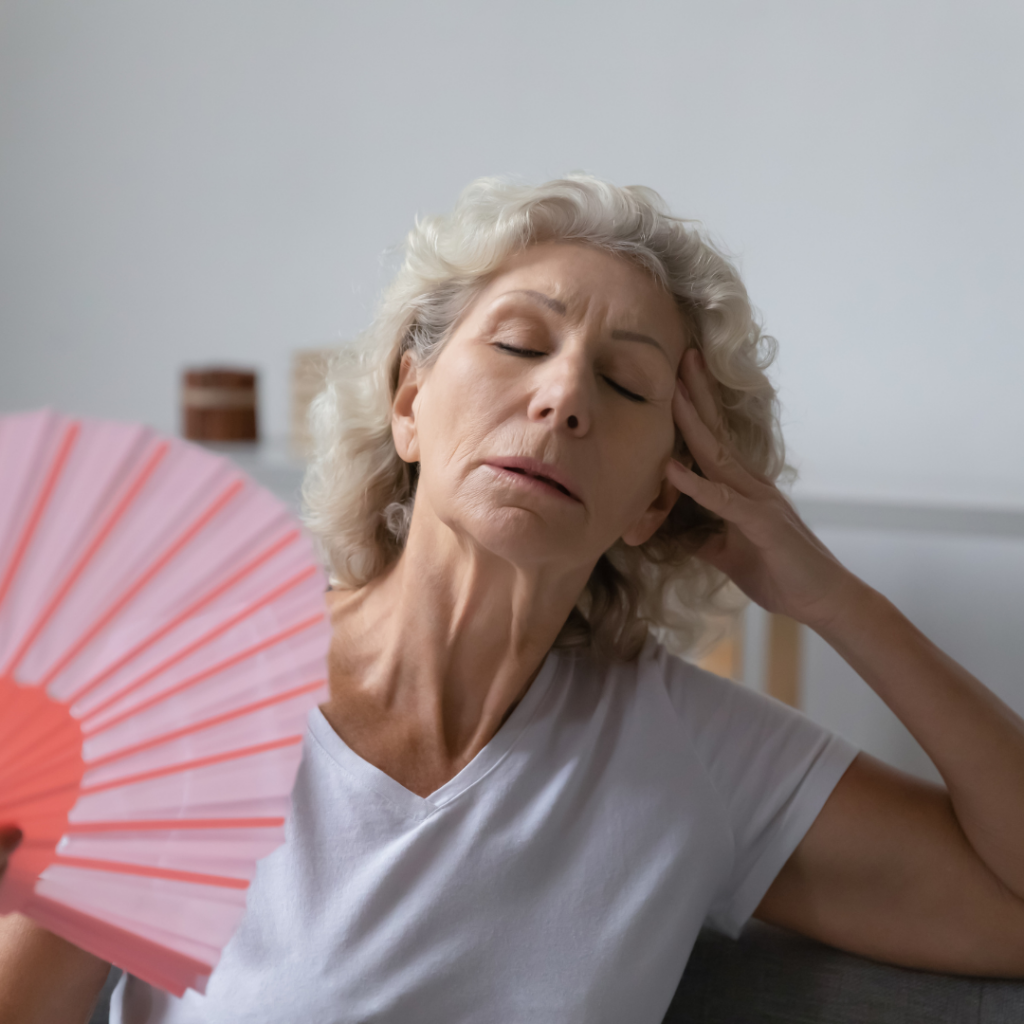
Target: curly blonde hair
{"x": 358, "y": 494}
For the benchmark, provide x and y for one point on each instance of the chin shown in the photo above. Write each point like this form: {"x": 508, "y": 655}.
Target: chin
{"x": 520, "y": 536}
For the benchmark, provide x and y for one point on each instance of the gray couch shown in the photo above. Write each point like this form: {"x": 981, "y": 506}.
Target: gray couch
{"x": 771, "y": 976}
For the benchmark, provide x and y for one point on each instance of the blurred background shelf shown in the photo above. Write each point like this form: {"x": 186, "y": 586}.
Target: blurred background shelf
{"x": 935, "y": 517}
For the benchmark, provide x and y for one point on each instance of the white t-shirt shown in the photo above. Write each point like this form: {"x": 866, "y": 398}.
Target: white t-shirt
{"x": 562, "y": 875}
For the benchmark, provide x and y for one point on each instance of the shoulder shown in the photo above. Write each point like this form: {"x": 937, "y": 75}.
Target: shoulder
{"x": 663, "y": 683}
{"x": 692, "y": 690}
{"x": 727, "y": 720}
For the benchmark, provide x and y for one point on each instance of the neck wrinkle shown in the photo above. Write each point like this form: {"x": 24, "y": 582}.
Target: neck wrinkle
{"x": 460, "y": 634}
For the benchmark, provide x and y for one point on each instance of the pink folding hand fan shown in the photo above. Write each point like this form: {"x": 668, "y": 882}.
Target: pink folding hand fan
{"x": 162, "y": 639}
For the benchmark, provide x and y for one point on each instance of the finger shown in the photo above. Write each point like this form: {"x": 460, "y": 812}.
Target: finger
{"x": 704, "y": 393}
{"x": 699, "y": 386}
{"x": 10, "y": 837}
{"x": 714, "y": 495}
{"x": 712, "y": 454}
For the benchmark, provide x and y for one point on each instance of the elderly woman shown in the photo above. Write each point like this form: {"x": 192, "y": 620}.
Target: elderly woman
{"x": 533, "y": 477}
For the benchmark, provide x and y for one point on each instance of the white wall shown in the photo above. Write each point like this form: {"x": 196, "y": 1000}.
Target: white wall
{"x": 190, "y": 180}
{"x": 964, "y": 592}
{"x": 195, "y": 180}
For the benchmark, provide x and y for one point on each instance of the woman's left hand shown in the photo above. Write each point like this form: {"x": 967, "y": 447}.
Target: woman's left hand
{"x": 765, "y": 548}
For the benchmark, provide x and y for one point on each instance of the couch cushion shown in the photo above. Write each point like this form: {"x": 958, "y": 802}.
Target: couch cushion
{"x": 771, "y": 976}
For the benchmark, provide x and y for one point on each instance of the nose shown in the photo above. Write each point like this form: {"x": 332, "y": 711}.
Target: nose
{"x": 562, "y": 397}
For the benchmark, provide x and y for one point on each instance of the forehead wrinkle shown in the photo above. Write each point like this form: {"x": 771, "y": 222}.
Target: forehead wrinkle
{"x": 562, "y": 310}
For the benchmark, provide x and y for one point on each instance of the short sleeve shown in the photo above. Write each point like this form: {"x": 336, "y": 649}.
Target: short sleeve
{"x": 772, "y": 767}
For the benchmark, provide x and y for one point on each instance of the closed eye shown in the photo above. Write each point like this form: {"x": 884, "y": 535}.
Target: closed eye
{"x": 518, "y": 351}
{"x": 532, "y": 353}
{"x": 623, "y": 391}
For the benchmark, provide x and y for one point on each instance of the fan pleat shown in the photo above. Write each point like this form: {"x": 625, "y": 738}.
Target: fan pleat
{"x": 207, "y": 785}
{"x": 155, "y": 955}
{"x": 170, "y": 825}
{"x": 230, "y": 852}
{"x": 126, "y": 754}
{"x": 93, "y": 546}
{"x": 188, "y": 612}
{"x": 163, "y": 638}
{"x": 186, "y": 766}
{"x": 110, "y": 613}
{"x": 34, "y": 516}
{"x": 117, "y": 689}
{"x": 145, "y": 871}
{"x": 144, "y": 698}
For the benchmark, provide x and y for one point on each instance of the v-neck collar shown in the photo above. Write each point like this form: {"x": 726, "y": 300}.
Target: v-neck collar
{"x": 410, "y": 803}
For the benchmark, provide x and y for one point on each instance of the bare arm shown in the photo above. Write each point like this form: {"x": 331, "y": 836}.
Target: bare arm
{"x": 886, "y": 872}
{"x": 893, "y": 868}
{"x": 899, "y": 869}
{"x": 43, "y": 978}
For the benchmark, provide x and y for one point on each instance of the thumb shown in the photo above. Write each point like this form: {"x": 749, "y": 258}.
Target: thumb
{"x": 10, "y": 837}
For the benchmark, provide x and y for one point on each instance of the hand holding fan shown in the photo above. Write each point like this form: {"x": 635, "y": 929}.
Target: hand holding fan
{"x": 162, "y": 639}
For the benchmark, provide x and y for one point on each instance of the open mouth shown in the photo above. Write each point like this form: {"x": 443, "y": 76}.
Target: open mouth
{"x": 543, "y": 479}
{"x": 534, "y": 473}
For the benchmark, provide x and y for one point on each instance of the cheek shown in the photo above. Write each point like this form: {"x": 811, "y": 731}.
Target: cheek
{"x": 457, "y": 410}
{"x": 634, "y": 475}
{"x": 644, "y": 451}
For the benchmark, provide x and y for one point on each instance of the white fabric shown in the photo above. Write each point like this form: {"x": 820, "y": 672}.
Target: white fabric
{"x": 563, "y": 875}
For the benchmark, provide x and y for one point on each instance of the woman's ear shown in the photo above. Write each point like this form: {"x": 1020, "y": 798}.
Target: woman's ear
{"x": 644, "y": 528}
{"x": 403, "y": 410}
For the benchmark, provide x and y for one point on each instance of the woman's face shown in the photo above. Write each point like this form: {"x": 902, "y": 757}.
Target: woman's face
{"x": 544, "y": 426}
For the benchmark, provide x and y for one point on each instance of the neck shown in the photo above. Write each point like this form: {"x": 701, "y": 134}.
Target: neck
{"x": 451, "y": 637}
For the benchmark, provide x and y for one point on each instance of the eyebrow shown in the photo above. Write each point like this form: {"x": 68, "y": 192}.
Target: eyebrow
{"x": 560, "y": 308}
{"x": 544, "y": 300}
{"x": 644, "y": 338}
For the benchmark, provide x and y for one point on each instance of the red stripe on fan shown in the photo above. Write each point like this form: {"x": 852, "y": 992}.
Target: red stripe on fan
{"x": 178, "y": 619}
{"x": 119, "y": 868}
{"x": 170, "y": 825}
{"x": 206, "y": 724}
{"x": 36, "y": 515}
{"x": 184, "y": 766}
{"x": 76, "y": 648}
{"x": 192, "y": 680}
{"x": 95, "y": 544}
{"x": 191, "y": 648}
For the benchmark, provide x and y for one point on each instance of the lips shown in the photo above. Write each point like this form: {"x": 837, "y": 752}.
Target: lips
{"x": 542, "y": 471}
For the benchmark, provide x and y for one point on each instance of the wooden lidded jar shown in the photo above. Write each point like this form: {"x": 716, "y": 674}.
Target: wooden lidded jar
{"x": 219, "y": 404}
